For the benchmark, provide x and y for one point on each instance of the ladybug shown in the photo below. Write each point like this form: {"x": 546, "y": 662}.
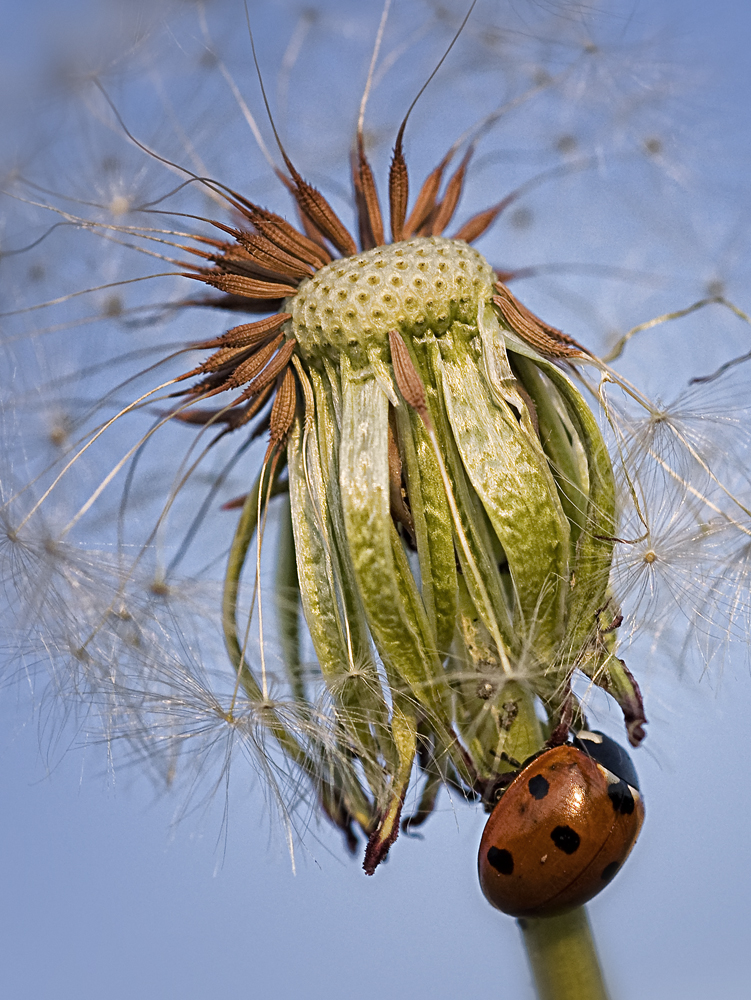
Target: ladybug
{"x": 562, "y": 828}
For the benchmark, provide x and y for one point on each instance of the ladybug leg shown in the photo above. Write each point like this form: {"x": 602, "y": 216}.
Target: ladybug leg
{"x": 560, "y": 734}
{"x": 491, "y": 791}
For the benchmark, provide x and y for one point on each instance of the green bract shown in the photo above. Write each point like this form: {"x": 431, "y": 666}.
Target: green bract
{"x": 453, "y": 512}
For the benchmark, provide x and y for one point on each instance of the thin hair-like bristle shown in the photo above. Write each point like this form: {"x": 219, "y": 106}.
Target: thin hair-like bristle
{"x": 398, "y": 177}
{"x": 369, "y": 217}
{"x": 311, "y": 202}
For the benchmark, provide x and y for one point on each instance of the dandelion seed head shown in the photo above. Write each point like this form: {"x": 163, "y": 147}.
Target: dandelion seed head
{"x": 112, "y": 567}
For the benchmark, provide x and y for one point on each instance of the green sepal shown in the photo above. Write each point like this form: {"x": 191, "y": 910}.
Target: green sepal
{"x": 404, "y": 731}
{"x": 511, "y": 476}
{"x": 354, "y": 686}
{"x": 433, "y": 526}
{"x": 614, "y": 677}
{"x": 476, "y": 553}
{"x": 394, "y": 608}
{"x": 335, "y": 788}
{"x": 590, "y": 572}
{"x": 327, "y": 394}
{"x": 495, "y": 714}
{"x": 562, "y": 447}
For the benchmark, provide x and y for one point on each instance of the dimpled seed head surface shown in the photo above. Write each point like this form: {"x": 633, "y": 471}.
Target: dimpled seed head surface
{"x": 429, "y": 282}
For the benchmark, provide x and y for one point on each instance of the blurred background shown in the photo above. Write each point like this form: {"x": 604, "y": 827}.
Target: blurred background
{"x": 626, "y": 125}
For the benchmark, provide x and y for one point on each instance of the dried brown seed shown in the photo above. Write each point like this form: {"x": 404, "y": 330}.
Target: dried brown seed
{"x": 543, "y": 337}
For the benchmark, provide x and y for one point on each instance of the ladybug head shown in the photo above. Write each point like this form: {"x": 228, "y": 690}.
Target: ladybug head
{"x": 608, "y": 753}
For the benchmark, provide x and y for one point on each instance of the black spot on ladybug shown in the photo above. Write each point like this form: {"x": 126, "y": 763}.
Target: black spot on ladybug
{"x": 609, "y": 871}
{"x": 620, "y": 795}
{"x": 566, "y": 839}
{"x": 501, "y": 860}
{"x": 538, "y": 786}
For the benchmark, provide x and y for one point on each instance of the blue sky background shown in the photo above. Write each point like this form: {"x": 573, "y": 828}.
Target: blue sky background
{"x": 102, "y": 894}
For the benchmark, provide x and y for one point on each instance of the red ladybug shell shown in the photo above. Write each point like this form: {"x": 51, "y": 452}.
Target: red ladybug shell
{"x": 558, "y": 835}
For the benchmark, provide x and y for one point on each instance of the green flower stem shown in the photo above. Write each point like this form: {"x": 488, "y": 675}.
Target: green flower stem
{"x": 563, "y": 957}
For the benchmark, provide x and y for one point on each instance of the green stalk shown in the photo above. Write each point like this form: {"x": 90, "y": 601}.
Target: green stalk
{"x": 563, "y": 957}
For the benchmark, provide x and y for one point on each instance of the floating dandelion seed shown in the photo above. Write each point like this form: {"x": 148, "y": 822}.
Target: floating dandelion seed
{"x": 446, "y": 507}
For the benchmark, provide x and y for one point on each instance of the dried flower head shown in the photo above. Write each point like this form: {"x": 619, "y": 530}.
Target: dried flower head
{"x": 462, "y": 503}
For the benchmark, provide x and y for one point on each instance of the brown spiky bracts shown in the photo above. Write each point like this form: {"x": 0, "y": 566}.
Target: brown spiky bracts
{"x": 267, "y": 258}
